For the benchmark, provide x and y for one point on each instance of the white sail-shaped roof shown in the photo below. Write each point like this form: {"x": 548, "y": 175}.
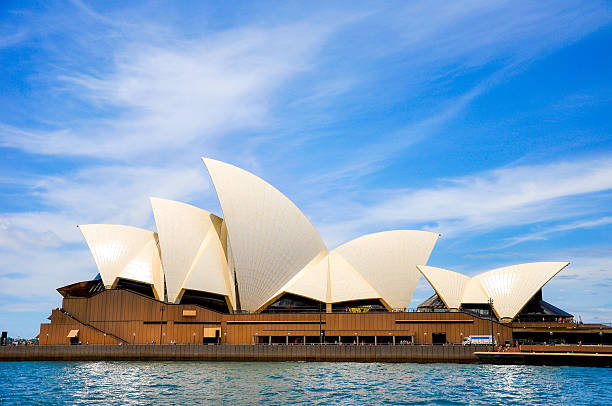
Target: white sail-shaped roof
{"x": 511, "y": 287}
{"x": 449, "y": 285}
{"x": 388, "y": 261}
{"x": 271, "y": 240}
{"x": 474, "y": 293}
{"x": 192, "y": 250}
{"x": 311, "y": 282}
{"x": 346, "y": 283}
{"x": 330, "y": 280}
{"x": 125, "y": 252}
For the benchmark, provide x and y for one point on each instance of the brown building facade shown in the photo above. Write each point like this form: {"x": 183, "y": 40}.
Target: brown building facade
{"x": 121, "y": 316}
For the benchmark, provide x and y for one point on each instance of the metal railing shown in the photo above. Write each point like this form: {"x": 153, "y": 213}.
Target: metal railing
{"x": 93, "y": 327}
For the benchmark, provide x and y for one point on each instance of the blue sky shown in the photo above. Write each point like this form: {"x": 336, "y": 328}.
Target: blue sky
{"x": 487, "y": 121}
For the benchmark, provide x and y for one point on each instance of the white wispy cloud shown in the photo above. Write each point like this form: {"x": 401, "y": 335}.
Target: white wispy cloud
{"x": 504, "y": 197}
{"x": 441, "y": 44}
{"x": 166, "y": 97}
{"x": 546, "y": 232}
{"x": 582, "y": 287}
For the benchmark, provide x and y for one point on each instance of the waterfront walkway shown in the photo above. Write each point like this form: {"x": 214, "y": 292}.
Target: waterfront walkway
{"x": 357, "y": 353}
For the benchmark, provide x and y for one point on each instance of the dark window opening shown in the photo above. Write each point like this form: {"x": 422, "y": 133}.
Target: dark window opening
{"x": 262, "y": 339}
{"x": 537, "y": 310}
{"x": 314, "y": 339}
{"x": 296, "y": 340}
{"x": 348, "y": 340}
{"x": 359, "y": 306}
{"x": 404, "y": 340}
{"x": 432, "y": 304}
{"x": 138, "y": 287}
{"x": 296, "y": 304}
{"x": 279, "y": 340}
{"x": 478, "y": 309}
{"x": 438, "y": 338}
{"x": 366, "y": 340}
{"x": 330, "y": 339}
{"x": 210, "y": 301}
{"x": 384, "y": 340}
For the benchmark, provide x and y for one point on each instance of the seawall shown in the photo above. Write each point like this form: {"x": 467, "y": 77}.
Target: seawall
{"x": 346, "y": 353}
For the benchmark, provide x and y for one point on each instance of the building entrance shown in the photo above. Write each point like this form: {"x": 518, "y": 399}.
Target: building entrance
{"x": 438, "y": 338}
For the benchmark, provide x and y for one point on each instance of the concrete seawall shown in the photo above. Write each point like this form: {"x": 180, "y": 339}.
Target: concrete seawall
{"x": 353, "y": 353}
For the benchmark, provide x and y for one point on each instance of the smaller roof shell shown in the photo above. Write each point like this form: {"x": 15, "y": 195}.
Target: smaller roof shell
{"x": 193, "y": 252}
{"x": 450, "y": 286}
{"x": 125, "y": 252}
{"x": 510, "y": 287}
{"x": 388, "y": 261}
{"x": 330, "y": 279}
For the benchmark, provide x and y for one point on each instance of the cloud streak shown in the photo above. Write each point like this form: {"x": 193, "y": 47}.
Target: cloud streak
{"x": 165, "y": 98}
{"x": 482, "y": 202}
{"x": 544, "y": 234}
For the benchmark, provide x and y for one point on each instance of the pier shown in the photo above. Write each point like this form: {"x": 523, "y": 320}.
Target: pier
{"x": 324, "y": 353}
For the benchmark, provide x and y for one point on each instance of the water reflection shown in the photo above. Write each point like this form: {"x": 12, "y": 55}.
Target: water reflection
{"x": 299, "y": 382}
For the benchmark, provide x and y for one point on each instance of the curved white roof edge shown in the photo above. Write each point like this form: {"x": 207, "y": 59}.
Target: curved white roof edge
{"x": 125, "y": 252}
{"x": 449, "y": 285}
{"x": 346, "y": 283}
{"x": 311, "y": 282}
{"x": 192, "y": 251}
{"x": 474, "y": 293}
{"x": 512, "y": 287}
{"x": 330, "y": 279}
{"x": 271, "y": 239}
{"x": 387, "y": 260}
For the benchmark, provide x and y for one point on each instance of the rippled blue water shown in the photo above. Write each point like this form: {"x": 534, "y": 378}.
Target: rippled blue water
{"x": 299, "y": 383}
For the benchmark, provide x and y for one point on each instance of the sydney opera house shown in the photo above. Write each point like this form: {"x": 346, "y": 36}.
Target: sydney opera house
{"x": 261, "y": 274}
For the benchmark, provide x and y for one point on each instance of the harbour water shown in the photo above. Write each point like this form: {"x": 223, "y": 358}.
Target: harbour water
{"x": 299, "y": 383}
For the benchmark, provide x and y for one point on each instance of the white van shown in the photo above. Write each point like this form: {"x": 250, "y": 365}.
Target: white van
{"x": 484, "y": 340}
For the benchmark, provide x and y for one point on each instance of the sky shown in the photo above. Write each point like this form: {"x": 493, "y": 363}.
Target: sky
{"x": 487, "y": 121}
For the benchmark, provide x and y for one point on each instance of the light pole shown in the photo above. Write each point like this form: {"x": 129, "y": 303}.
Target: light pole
{"x": 320, "y": 326}
{"x": 47, "y": 342}
{"x": 133, "y": 338}
{"x": 601, "y": 337}
{"x": 161, "y": 325}
{"x": 490, "y": 301}
{"x": 104, "y": 339}
{"x": 193, "y": 338}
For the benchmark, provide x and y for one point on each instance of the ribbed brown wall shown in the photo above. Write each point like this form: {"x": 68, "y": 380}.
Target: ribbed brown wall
{"x": 123, "y": 315}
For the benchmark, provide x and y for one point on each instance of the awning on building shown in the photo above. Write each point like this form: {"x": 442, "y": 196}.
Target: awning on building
{"x": 73, "y": 333}
{"x": 211, "y": 332}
